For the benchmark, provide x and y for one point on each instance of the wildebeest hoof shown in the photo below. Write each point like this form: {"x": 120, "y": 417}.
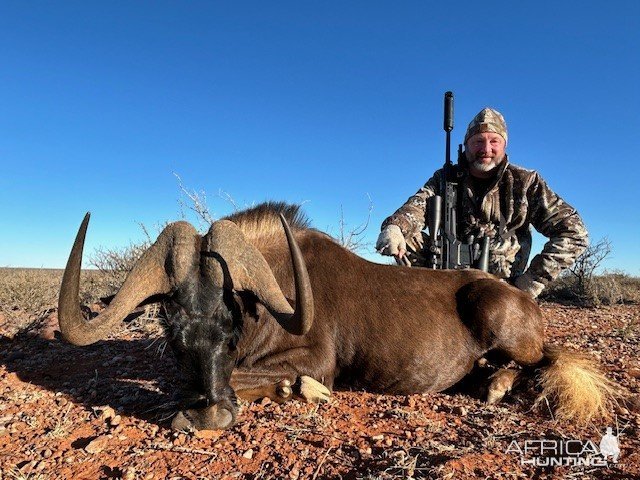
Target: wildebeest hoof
{"x": 501, "y": 383}
{"x": 313, "y": 391}
{"x": 283, "y": 389}
{"x": 210, "y": 418}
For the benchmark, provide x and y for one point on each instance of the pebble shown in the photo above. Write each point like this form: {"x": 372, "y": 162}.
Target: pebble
{"x": 5, "y": 420}
{"x": 115, "y": 421}
{"x": 180, "y": 440}
{"x": 107, "y": 413}
{"x": 209, "y": 434}
{"x": 248, "y": 454}
{"x": 459, "y": 410}
{"x": 294, "y": 473}
{"x": 47, "y": 453}
{"x": 634, "y": 372}
{"x": 97, "y": 445}
{"x": 377, "y": 438}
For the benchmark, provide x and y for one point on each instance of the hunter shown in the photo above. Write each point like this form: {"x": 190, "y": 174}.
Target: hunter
{"x": 499, "y": 200}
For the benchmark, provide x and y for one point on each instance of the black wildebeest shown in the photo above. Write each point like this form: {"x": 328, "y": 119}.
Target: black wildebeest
{"x": 231, "y": 324}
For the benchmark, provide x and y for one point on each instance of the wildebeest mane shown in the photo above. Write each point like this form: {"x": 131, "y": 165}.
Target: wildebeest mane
{"x": 263, "y": 220}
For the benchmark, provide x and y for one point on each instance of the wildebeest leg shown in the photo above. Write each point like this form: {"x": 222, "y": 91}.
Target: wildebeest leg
{"x": 251, "y": 385}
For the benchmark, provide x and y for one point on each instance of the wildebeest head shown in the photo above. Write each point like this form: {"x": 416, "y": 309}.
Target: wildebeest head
{"x": 199, "y": 277}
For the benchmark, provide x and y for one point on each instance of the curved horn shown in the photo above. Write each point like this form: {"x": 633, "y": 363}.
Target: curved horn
{"x": 303, "y": 314}
{"x": 250, "y": 271}
{"x": 148, "y": 277}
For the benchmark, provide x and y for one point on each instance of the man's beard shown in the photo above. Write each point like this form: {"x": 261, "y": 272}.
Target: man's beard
{"x": 478, "y": 165}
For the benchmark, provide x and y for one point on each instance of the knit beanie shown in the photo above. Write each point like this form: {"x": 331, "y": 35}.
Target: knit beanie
{"x": 487, "y": 120}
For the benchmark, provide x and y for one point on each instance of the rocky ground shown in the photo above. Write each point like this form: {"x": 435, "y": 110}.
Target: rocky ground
{"x": 103, "y": 411}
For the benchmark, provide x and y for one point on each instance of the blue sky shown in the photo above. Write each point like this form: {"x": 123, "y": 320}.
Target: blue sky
{"x": 326, "y": 103}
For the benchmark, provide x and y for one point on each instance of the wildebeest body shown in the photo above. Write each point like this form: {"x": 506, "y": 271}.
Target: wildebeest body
{"x": 383, "y": 327}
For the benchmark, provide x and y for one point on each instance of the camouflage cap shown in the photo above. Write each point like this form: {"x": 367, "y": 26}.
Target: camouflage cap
{"x": 487, "y": 120}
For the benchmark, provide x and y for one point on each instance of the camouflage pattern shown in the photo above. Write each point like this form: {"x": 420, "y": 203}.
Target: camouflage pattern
{"x": 487, "y": 120}
{"x": 515, "y": 199}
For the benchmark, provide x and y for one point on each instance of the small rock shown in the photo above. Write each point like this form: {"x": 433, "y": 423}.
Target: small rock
{"x": 294, "y": 473}
{"x": 47, "y": 453}
{"x": 50, "y": 327}
{"x": 17, "y": 427}
{"x": 621, "y": 410}
{"x": 5, "y": 420}
{"x": 115, "y": 421}
{"x": 459, "y": 410}
{"x": 265, "y": 401}
{"x": 248, "y": 454}
{"x": 107, "y": 413}
{"x": 634, "y": 372}
{"x": 377, "y": 438}
{"x": 97, "y": 445}
{"x": 180, "y": 440}
{"x": 129, "y": 474}
{"x": 207, "y": 434}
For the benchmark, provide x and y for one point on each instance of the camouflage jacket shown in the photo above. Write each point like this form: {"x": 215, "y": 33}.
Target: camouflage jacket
{"x": 504, "y": 208}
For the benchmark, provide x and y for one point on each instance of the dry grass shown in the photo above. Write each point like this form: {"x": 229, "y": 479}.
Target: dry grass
{"x": 62, "y": 425}
{"x": 576, "y": 387}
{"x": 28, "y": 295}
{"x": 32, "y": 290}
{"x": 16, "y": 474}
{"x": 610, "y": 288}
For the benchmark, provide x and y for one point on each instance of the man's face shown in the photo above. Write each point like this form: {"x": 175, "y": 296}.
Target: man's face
{"x": 485, "y": 151}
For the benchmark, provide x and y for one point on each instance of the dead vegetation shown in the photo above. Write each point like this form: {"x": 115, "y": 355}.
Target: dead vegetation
{"x": 582, "y": 285}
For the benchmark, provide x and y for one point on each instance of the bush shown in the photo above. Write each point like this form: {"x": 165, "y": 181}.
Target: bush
{"x": 114, "y": 263}
{"x": 581, "y": 285}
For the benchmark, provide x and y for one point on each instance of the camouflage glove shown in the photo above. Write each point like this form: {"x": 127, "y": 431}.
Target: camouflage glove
{"x": 526, "y": 283}
{"x": 391, "y": 241}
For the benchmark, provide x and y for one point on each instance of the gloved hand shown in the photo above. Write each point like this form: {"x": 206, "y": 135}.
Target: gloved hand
{"x": 526, "y": 283}
{"x": 391, "y": 242}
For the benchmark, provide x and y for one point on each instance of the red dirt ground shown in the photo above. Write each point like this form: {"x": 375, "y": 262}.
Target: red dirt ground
{"x": 103, "y": 411}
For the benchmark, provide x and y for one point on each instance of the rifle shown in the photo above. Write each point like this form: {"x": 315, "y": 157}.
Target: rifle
{"x": 445, "y": 250}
